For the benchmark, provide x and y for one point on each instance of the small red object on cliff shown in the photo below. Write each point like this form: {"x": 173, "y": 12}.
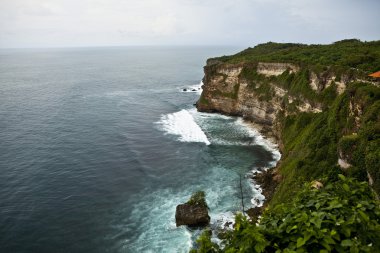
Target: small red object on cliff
{"x": 375, "y": 75}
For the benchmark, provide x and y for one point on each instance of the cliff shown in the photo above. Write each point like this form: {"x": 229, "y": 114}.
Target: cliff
{"x": 255, "y": 92}
{"x": 326, "y": 118}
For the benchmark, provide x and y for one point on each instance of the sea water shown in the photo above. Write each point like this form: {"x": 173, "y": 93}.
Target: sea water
{"x": 99, "y": 146}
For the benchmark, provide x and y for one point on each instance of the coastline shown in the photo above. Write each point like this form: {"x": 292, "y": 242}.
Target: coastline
{"x": 267, "y": 179}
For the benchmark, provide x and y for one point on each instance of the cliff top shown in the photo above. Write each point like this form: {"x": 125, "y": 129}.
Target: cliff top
{"x": 350, "y": 53}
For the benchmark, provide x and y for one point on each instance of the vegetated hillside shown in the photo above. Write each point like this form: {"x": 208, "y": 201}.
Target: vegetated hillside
{"x": 350, "y": 53}
{"x": 326, "y": 116}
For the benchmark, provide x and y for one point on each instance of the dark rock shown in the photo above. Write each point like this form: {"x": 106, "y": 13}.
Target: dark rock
{"x": 184, "y": 90}
{"x": 228, "y": 223}
{"x": 268, "y": 181}
{"x": 192, "y": 215}
{"x": 255, "y": 212}
{"x": 193, "y": 90}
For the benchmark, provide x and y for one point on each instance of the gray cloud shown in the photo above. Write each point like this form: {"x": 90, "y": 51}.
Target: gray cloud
{"x": 50, "y": 23}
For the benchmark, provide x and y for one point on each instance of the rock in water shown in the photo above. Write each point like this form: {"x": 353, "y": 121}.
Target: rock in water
{"x": 193, "y": 215}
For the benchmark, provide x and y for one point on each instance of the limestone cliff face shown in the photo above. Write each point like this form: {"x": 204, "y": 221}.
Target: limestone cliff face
{"x": 226, "y": 90}
{"x": 274, "y": 68}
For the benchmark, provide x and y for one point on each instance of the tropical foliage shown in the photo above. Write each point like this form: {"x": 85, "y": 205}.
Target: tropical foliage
{"x": 341, "y": 55}
{"x": 342, "y": 217}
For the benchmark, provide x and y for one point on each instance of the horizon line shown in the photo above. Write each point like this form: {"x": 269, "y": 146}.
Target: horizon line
{"x": 114, "y": 46}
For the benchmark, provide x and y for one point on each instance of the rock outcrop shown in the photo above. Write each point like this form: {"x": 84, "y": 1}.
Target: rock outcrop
{"x": 192, "y": 215}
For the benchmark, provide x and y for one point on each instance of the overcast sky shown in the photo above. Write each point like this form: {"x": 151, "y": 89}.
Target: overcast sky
{"x": 63, "y": 23}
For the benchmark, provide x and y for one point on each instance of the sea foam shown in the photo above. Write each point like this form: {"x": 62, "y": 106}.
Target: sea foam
{"x": 183, "y": 125}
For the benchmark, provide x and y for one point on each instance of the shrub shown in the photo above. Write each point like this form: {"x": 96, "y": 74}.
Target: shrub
{"x": 205, "y": 245}
{"x": 347, "y": 145}
{"x": 341, "y": 217}
{"x": 198, "y": 198}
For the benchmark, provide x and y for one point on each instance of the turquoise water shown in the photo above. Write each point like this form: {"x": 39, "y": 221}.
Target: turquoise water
{"x": 99, "y": 145}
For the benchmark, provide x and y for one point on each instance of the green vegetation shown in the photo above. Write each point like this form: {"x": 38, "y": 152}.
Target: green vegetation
{"x": 205, "y": 244}
{"x": 342, "y": 217}
{"x": 198, "y": 198}
{"x": 340, "y": 55}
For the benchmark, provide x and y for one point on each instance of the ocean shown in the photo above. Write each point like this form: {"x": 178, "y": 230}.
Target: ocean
{"x": 99, "y": 146}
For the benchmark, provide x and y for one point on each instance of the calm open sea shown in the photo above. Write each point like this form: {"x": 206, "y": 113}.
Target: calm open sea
{"x": 99, "y": 145}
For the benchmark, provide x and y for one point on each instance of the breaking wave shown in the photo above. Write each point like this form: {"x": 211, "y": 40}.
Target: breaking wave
{"x": 183, "y": 125}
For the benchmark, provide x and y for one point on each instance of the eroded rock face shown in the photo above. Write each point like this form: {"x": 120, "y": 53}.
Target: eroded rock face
{"x": 226, "y": 92}
{"x": 275, "y": 69}
{"x": 192, "y": 215}
{"x": 325, "y": 79}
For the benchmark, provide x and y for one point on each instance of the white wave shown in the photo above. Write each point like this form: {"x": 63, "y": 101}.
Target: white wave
{"x": 259, "y": 198}
{"x": 183, "y": 125}
{"x": 197, "y": 88}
